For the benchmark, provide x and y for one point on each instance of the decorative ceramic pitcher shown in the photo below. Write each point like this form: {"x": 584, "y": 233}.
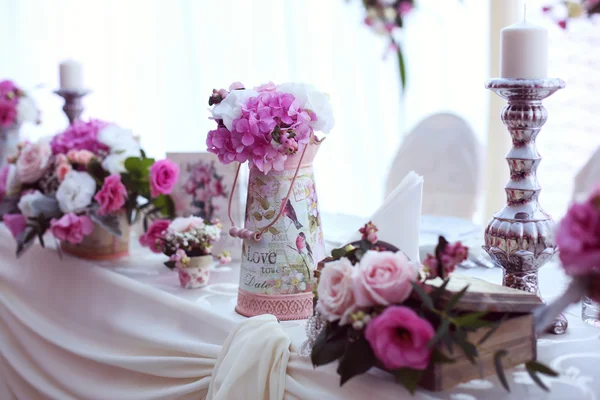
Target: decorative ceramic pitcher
{"x": 282, "y": 240}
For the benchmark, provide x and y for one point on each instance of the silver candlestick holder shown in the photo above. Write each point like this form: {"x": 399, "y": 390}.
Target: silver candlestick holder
{"x": 520, "y": 237}
{"x": 73, "y": 105}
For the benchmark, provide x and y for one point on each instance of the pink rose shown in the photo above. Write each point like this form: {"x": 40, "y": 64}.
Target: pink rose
{"x": 578, "y": 237}
{"x": 81, "y": 157}
{"x": 33, "y": 162}
{"x": 399, "y": 338}
{"x": 112, "y": 195}
{"x": 383, "y": 278}
{"x": 163, "y": 177}
{"x": 336, "y": 298}
{"x": 16, "y": 223}
{"x": 152, "y": 238}
{"x": 71, "y": 228}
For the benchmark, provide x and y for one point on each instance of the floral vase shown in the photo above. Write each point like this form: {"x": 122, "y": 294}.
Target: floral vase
{"x": 9, "y": 138}
{"x": 276, "y": 275}
{"x": 195, "y": 275}
{"x": 101, "y": 244}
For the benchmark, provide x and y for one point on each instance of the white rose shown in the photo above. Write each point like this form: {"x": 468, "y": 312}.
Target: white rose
{"x": 26, "y": 204}
{"x": 180, "y": 225}
{"x": 27, "y": 110}
{"x": 309, "y": 98}
{"x": 115, "y": 163}
{"x": 119, "y": 140}
{"x": 231, "y": 107}
{"x": 76, "y": 191}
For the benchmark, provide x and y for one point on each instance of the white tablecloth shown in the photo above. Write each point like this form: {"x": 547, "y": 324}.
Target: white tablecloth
{"x": 72, "y": 329}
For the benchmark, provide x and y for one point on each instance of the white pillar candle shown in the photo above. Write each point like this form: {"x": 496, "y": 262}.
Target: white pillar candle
{"x": 524, "y": 51}
{"x": 71, "y": 75}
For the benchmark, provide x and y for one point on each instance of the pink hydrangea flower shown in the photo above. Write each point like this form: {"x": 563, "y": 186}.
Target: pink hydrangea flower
{"x": 163, "y": 177}
{"x": 154, "y": 235}
{"x": 399, "y": 338}
{"x": 7, "y": 86}
{"x": 111, "y": 197}
{"x": 81, "y": 135}
{"x": 578, "y": 237}
{"x": 71, "y": 228}
{"x": 16, "y": 223}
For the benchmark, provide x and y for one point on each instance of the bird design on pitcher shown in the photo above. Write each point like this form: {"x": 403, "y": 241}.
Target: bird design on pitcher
{"x": 289, "y": 212}
{"x": 303, "y": 246}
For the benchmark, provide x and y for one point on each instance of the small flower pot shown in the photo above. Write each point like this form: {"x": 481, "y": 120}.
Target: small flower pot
{"x": 101, "y": 245}
{"x": 195, "y": 275}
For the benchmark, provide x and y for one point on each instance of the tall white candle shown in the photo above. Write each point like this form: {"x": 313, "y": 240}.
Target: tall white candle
{"x": 71, "y": 75}
{"x": 524, "y": 51}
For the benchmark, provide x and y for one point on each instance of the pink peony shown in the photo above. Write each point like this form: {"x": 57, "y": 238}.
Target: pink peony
{"x": 112, "y": 195}
{"x": 399, "y": 338}
{"x": 163, "y": 177}
{"x": 16, "y": 223}
{"x": 578, "y": 238}
{"x": 71, "y": 228}
{"x": 152, "y": 238}
{"x": 81, "y": 157}
{"x": 336, "y": 298}
{"x": 383, "y": 278}
{"x": 33, "y": 162}
{"x": 80, "y": 136}
{"x": 8, "y": 112}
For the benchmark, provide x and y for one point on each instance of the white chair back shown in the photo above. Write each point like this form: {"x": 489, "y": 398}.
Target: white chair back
{"x": 588, "y": 177}
{"x": 444, "y": 150}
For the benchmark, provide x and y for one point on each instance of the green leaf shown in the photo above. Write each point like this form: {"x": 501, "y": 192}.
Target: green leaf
{"x": 500, "y": 369}
{"x": 440, "y": 358}
{"x": 269, "y": 214}
{"x": 541, "y": 368}
{"x": 257, "y": 216}
{"x": 427, "y": 301}
{"x": 95, "y": 169}
{"x": 401, "y": 67}
{"x": 264, "y": 203}
{"x": 26, "y": 239}
{"x": 329, "y": 345}
{"x": 170, "y": 264}
{"x": 472, "y": 320}
{"x": 133, "y": 165}
{"x": 441, "y": 332}
{"x": 439, "y": 291}
{"x": 274, "y": 230}
{"x": 492, "y": 329}
{"x": 357, "y": 359}
{"x": 468, "y": 348}
{"x": 338, "y": 253}
{"x": 9, "y": 205}
{"x": 165, "y": 205}
{"x": 455, "y": 299}
{"x": 408, "y": 377}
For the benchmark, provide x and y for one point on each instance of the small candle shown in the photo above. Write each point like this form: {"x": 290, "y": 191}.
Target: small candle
{"x": 524, "y": 51}
{"x": 71, "y": 75}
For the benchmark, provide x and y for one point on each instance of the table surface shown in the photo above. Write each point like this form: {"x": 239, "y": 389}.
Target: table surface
{"x": 573, "y": 354}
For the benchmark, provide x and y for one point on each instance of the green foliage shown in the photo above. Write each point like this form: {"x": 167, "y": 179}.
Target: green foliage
{"x": 500, "y": 369}
{"x": 329, "y": 345}
{"x": 357, "y": 359}
{"x": 408, "y": 377}
{"x": 534, "y": 367}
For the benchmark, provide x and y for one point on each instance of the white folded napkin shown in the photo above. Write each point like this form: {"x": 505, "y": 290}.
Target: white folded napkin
{"x": 398, "y": 219}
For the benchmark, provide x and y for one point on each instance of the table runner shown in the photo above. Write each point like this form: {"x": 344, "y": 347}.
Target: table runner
{"x": 73, "y": 329}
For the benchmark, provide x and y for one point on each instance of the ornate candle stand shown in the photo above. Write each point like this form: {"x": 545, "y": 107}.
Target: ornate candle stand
{"x": 73, "y": 106}
{"x": 519, "y": 237}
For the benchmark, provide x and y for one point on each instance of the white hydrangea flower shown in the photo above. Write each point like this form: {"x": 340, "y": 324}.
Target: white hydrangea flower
{"x": 309, "y": 98}
{"x": 75, "y": 192}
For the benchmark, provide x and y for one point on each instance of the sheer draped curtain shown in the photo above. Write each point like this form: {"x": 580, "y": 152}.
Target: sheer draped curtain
{"x": 151, "y": 65}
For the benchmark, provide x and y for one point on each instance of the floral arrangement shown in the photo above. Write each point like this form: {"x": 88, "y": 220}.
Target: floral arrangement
{"x": 16, "y": 106}
{"x": 375, "y": 308}
{"x": 578, "y": 238}
{"x": 386, "y": 18}
{"x": 93, "y": 172}
{"x": 182, "y": 239}
{"x": 205, "y": 185}
{"x": 267, "y": 124}
{"x": 563, "y": 11}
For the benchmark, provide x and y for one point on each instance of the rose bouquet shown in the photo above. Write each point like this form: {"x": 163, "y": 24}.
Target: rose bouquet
{"x": 578, "y": 239}
{"x": 563, "y": 11}
{"x": 16, "y": 106}
{"x": 267, "y": 124}
{"x": 94, "y": 173}
{"x": 376, "y": 308}
{"x": 188, "y": 243}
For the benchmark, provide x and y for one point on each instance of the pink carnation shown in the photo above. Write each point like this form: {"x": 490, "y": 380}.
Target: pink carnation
{"x": 7, "y": 86}
{"x": 80, "y": 136}
{"x": 578, "y": 238}
{"x": 399, "y": 338}
{"x": 163, "y": 177}
{"x": 112, "y": 195}
{"x": 71, "y": 228}
{"x": 82, "y": 157}
{"x": 383, "y": 278}
{"x": 16, "y": 223}
{"x": 154, "y": 235}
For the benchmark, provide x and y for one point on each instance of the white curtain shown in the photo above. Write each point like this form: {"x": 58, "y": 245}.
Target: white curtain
{"x": 152, "y": 64}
